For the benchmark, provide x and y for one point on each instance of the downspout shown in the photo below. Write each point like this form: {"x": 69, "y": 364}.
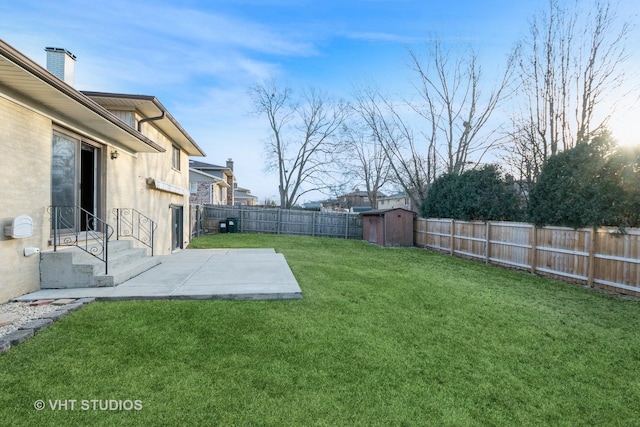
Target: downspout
{"x": 149, "y": 119}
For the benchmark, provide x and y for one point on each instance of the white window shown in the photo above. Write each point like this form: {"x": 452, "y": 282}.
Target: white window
{"x": 175, "y": 158}
{"x": 193, "y": 187}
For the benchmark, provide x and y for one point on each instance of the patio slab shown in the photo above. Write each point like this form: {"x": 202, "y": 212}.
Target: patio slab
{"x": 198, "y": 274}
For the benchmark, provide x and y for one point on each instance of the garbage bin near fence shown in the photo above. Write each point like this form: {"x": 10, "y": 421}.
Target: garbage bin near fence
{"x": 233, "y": 225}
{"x": 223, "y": 227}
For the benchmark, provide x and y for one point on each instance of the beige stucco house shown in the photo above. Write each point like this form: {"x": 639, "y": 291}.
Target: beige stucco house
{"x": 243, "y": 197}
{"x": 93, "y": 151}
{"x": 394, "y": 201}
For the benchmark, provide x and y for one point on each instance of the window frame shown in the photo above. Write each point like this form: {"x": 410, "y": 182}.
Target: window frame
{"x": 175, "y": 157}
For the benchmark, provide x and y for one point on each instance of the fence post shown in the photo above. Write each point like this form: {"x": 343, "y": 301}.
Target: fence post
{"x": 278, "y": 220}
{"x": 197, "y": 223}
{"x": 453, "y": 236}
{"x": 426, "y": 232}
{"x": 487, "y": 249}
{"x": 592, "y": 256}
{"x": 346, "y": 225}
{"x": 534, "y": 249}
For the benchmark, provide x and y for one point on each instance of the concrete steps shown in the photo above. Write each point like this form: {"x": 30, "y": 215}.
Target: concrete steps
{"x": 71, "y": 267}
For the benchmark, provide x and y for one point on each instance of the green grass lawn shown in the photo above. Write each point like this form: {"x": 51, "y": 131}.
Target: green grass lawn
{"x": 382, "y": 337}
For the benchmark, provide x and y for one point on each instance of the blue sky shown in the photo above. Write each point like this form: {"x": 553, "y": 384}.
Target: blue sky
{"x": 199, "y": 58}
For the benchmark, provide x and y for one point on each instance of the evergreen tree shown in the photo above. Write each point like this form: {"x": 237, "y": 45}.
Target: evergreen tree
{"x": 579, "y": 187}
{"x": 478, "y": 194}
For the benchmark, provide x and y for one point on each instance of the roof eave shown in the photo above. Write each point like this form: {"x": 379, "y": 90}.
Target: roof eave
{"x": 33, "y": 85}
{"x": 168, "y": 124}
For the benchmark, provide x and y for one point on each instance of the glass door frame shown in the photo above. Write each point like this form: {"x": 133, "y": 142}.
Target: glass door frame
{"x": 67, "y": 172}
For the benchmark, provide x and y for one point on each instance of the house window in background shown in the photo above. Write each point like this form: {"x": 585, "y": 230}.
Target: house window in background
{"x": 193, "y": 187}
{"x": 175, "y": 158}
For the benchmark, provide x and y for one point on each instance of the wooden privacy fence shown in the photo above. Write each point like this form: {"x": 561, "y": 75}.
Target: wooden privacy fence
{"x": 599, "y": 257}
{"x": 196, "y": 219}
{"x": 284, "y": 221}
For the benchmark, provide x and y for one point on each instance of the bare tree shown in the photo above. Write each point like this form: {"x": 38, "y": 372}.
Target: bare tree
{"x": 302, "y": 142}
{"x": 568, "y": 63}
{"x": 411, "y": 169}
{"x": 452, "y": 116}
{"x": 365, "y": 162}
{"x": 454, "y": 106}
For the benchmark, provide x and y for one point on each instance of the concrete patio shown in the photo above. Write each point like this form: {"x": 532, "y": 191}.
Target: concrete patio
{"x": 252, "y": 274}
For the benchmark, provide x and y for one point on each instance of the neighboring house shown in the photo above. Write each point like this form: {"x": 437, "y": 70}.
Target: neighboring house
{"x": 356, "y": 201}
{"x": 313, "y": 205}
{"x": 206, "y": 189}
{"x": 243, "y": 198}
{"x": 209, "y": 179}
{"x": 398, "y": 200}
{"x": 93, "y": 151}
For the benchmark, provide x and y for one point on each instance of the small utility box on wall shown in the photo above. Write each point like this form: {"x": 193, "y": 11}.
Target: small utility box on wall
{"x": 389, "y": 227}
{"x": 20, "y": 228}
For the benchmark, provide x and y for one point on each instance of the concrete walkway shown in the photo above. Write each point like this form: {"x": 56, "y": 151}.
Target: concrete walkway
{"x": 199, "y": 274}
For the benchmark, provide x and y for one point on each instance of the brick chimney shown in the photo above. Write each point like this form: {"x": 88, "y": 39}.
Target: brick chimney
{"x": 230, "y": 164}
{"x": 61, "y": 63}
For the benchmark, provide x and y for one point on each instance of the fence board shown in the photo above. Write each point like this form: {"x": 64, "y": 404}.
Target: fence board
{"x": 510, "y": 243}
{"x": 607, "y": 260}
{"x": 617, "y": 260}
{"x": 284, "y": 221}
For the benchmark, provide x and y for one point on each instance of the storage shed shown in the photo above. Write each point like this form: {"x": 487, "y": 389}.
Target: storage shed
{"x": 389, "y": 227}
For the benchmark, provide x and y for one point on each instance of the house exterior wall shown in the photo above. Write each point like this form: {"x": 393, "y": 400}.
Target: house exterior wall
{"x": 394, "y": 202}
{"x": 245, "y": 200}
{"x": 354, "y": 199}
{"x": 127, "y": 187}
{"x": 230, "y": 198}
{"x": 203, "y": 195}
{"x": 126, "y": 116}
{"x": 221, "y": 194}
{"x": 25, "y": 138}
{"x": 208, "y": 193}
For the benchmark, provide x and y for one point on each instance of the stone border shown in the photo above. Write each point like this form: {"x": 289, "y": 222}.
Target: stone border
{"x": 34, "y": 326}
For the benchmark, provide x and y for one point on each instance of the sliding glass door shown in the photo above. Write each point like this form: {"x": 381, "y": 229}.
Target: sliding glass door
{"x": 75, "y": 182}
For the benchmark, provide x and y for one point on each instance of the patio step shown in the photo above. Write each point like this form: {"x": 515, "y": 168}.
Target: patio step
{"x": 71, "y": 267}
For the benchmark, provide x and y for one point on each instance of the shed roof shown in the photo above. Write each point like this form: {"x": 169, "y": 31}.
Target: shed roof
{"x": 382, "y": 212}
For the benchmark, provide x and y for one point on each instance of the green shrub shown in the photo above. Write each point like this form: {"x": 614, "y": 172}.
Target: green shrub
{"x": 478, "y": 194}
{"x": 592, "y": 184}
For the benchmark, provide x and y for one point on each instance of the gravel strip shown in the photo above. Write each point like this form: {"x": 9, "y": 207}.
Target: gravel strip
{"x": 26, "y": 312}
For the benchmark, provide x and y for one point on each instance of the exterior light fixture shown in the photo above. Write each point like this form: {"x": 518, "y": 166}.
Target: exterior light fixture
{"x": 114, "y": 154}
